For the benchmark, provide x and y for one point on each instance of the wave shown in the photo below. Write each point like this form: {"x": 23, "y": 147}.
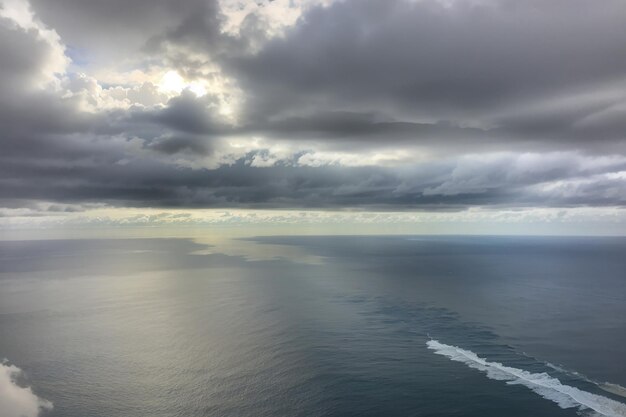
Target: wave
{"x": 613, "y": 388}
{"x": 15, "y": 400}
{"x": 541, "y": 383}
{"x": 605, "y": 386}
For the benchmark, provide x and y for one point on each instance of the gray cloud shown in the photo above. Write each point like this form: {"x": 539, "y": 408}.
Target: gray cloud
{"x": 494, "y": 103}
{"x": 190, "y": 114}
{"x": 500, "y": 179}
{"x": 495, "y": 75}
{"x": 180, "y": 144}
{"x": 116, "y": 29}
{"x": 436, "y": 60}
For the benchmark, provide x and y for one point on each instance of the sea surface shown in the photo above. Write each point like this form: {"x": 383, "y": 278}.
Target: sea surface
{"x": 317, "y": 326}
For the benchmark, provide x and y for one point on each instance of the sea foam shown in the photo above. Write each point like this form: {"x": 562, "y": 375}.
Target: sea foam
{"x": 541, "y": 383}
{"x": 613, "y": 388}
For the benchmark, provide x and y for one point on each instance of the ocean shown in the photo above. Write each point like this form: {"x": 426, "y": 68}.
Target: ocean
{"x": 316, "y": 326}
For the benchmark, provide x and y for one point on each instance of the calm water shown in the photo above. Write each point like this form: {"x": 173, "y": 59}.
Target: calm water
{"x": 367, "y": 326}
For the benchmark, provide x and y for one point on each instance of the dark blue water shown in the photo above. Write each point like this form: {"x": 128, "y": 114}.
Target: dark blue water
{"x": 136, "y": 327}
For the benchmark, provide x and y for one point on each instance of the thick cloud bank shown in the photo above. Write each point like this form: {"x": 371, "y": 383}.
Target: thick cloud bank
{"x": 393, "y": 105}
{"x": 15, "y": 400}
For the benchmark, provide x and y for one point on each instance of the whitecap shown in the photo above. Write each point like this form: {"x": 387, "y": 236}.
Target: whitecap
{"x": 541, "y": 383}
{"x": 613, "y": 388}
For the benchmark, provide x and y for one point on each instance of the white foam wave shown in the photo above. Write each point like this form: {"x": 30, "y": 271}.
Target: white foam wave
{"x": 541, "y": 383}
{"x": 17, "y": 401}
{"x": 606, "y": 386}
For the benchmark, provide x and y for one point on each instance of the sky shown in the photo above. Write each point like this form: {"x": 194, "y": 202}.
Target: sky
{"x": 429, "y": 116}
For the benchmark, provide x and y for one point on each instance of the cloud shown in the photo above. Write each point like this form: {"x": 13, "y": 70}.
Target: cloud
{"x": 443, "y": 60}
{"x": 310, "y": 180}
{"x": 15, "y": 400}
{"x": 115, "y": 29}
{"x": 394, "y": 105}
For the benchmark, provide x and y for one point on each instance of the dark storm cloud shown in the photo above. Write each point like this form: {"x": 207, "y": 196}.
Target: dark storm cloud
{"x": 407, "y": 61}
{"x": 112, "y": 29}
{"x": 181, "y": 144}
{"x": 188, "y": 113}
{"x": 456, "y": 60}
{"x": 479, "y": 88}
{"x": 30, "y": 118}
{"x": 506, "y": 180}
{"x": 487, "y": 63}
{"x": 424, "y": 72}
{"x": 23, "y": 56}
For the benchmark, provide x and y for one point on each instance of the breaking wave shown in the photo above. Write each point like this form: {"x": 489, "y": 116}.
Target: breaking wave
{"x": 614, "y": 389}
{"x": 541, "y": 383}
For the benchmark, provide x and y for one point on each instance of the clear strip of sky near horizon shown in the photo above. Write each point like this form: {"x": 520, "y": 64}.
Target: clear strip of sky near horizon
{"x": 239, "y": 223}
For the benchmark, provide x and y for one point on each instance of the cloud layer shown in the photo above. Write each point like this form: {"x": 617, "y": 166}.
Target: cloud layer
{"x": 385, "y": 105}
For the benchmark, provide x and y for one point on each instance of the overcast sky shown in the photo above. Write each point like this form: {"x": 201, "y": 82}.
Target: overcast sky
{"x": 438, "y": 106}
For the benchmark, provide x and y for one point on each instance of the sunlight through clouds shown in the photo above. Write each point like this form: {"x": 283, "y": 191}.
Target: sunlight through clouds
{"x": 304, "y": 105}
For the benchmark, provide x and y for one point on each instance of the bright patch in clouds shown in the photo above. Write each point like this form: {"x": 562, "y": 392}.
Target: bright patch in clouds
{"x": 173, "y": 83}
